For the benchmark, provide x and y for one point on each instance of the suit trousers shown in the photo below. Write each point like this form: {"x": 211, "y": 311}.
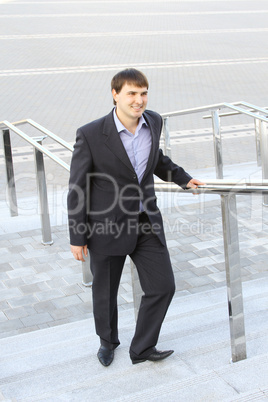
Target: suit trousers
{"x": 156, "y": 277}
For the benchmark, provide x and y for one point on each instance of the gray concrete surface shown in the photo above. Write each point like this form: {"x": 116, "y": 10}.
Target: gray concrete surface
{"x": 60, "y": 363}
{"x": 57, "y": 58}
{"x": 57, "y": 61}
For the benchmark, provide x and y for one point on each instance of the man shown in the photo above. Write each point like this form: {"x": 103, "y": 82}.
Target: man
{"x": 113, "y": 213}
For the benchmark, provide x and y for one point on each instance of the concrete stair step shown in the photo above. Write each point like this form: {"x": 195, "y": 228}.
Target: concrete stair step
{"x": 60, "y": 363}
{"x": 84, "y": 379}
{"x": 202, "y": 309}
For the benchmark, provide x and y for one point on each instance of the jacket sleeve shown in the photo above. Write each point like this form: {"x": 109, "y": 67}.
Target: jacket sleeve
{"x": 168, "y": 171}
{"x": 81, "y": 166}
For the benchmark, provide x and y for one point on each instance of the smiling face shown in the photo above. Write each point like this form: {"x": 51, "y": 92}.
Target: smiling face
{"x": 131, "y": 102}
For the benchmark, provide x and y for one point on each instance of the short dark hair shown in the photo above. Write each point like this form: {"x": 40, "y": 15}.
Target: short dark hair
{"x": 129, "y": 76}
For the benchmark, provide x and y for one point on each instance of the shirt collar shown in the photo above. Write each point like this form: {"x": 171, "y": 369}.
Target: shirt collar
{"x": 120, "y": 127}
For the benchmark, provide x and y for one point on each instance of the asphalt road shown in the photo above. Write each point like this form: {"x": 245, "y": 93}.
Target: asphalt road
{"x": 58, "y": 58}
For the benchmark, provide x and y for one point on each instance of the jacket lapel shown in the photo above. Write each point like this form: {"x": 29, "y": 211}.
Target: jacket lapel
{"x": 113, "y": 141}
{"x": 153, "y": 130}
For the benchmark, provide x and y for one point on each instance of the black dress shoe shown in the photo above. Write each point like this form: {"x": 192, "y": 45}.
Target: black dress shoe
{"x": 105, "y": 356}
{"x": 156, "y": 356}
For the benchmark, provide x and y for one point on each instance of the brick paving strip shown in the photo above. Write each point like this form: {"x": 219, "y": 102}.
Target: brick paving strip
{"x": 41, "y": 286}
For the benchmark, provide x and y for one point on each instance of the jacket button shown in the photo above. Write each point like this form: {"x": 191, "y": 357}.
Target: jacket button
{"x": 134, "y": 176}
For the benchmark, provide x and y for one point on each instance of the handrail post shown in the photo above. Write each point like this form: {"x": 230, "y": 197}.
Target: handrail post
{"x": 167, "y": 147}
{"x": 136, "y": 289}
{"x": 233, "y": 277}
{"x": 258, "y": 140}
{"x": 12, "y": 197}
{"x": 264, "y": 155}
{"x": 217, "y": 143}
{"x": 42, "y": 194}
{"x": 87, "y": 275}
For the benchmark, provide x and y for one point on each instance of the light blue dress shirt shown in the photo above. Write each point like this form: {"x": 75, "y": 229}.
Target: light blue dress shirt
{"x": 137, "y": 146}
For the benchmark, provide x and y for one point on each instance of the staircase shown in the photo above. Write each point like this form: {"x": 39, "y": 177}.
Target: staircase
{"x": 60, "y": 364}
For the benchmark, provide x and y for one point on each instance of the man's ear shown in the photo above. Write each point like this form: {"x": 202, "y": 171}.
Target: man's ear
{"x": 114, "y": 93}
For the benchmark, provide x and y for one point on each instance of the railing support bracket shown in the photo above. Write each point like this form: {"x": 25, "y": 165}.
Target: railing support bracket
{"x": 87, "y": 275}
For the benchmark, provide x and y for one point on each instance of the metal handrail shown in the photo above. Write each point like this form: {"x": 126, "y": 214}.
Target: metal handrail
{"x": 197, "y": 109}
{"x": 254, "y": 107}
{"x": 211, "y": 107}
{"x": 227, "y": 193}
{"x": 166, "y": 116}
{"x": 265, "y": 109}
{"x": 40, "y": 128}
{"x": 35, "y": 144}
{"x": 248, "y": 112}
{"x": 261, "y": 133}
{"x": 227, "y": 189}
{"x": 51, "y": 135}
{"x": 216, "y": 186}
{"x": 39, "y": 151}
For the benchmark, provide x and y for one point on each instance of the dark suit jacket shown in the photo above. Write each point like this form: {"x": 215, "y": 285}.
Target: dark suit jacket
{"x": 104, "y": 194}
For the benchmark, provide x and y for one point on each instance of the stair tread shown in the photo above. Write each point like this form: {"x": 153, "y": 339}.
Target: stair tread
{"x": 60, "y": 363}
{"x": 212, "y": 304}
{"x": 86, "y": 378}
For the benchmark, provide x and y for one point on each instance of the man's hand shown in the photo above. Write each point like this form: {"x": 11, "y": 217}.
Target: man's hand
{"x": 78, "y": 252}
{"x": 194, "y": 183}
